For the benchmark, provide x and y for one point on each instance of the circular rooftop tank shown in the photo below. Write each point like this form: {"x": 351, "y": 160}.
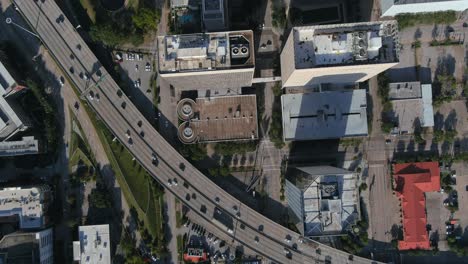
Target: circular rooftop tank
{"x": 185, "y": 109}
{"x": 187, "y": 133}
{"x": 112, "y": 5}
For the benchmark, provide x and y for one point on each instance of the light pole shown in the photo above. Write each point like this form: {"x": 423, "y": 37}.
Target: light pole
{"x": 9, "y": 21}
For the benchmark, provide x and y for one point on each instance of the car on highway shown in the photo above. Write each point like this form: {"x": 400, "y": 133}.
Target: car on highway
{"x": 175, "y": 181}
{"x": 61, "y": 81}
{"x": 169, "y": 182}
{"x": 154, "y": 159}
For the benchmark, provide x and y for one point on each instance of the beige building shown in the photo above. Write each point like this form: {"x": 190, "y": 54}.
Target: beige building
{"x": 342, "y": 53}
{"x": 222, "y": 60}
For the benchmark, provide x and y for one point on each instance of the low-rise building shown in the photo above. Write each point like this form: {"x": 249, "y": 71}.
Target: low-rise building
{"x": 26, "y": 206}
{"x": 324, "y": 199}
{"x": 341, "y": 53}
{"x": 411, "y": 181}
{"x": 217, "y": 61}
{"x": 93, "y": 245}
{"x": 28, "y": 247}
{"x": 324, "y": 115}
{"x": 392, "y": 8}
{"x": 215, "y": 119}
{"x": 412, "y": 106}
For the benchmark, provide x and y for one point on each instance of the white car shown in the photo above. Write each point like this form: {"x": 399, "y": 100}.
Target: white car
{"x": 135, "y": 83}
{"x": 61, "y": 81}
{"x": 148, "y": 67}
{"x": 136, "y": 67}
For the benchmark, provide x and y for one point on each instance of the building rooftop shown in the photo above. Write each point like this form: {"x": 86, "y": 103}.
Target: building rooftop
{"x": 404, "y": 90}
{"x": 412, "y": 180}
{"x": 25, "y": 146}
{"x": 93, "y": 245}
{"x": 324, "y": 115}
{"x": 412, "y": 105}
{"x": 218, "y": 119}
{"x": 205, "y": 52}
{"x": 394, "y": 7}
{"x": 27, "y": 204}
{"x": 25, "y": 248}
{"x": 329, "y": 199}
{"x": 345, "y": 44}
{"x": 213, "y": 15}
{"x": 10, "y": 121}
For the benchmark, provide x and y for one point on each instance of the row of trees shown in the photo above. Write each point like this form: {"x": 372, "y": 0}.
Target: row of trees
{"x": 429, "y": 18}
{"x": 127, "y": 26}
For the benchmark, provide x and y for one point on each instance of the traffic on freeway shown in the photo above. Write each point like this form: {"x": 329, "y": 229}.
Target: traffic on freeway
{"x": 161, "y": 160}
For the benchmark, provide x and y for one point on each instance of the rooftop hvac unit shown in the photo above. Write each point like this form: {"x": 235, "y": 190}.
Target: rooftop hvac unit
{"x": 240, "y": 51}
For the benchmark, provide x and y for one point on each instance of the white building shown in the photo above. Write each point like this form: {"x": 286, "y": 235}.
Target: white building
{"x": 12, "y": 118}
{"x": 341, "y": 53}
{"x": 391, "y": 8}
{"x": 25, "y": 205}
{"x": 324, "y": 115}
{"x": 25, "y": 146}
{"x": 217, "y": 61}
{"x": 324, "y": 199}
{"x": 93, "y": 245}
{"x": 30, "y": 247}
{"x": 412, "y": 106}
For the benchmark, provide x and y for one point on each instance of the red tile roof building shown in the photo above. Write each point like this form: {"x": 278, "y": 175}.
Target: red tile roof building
{"x": 412, "y": 181}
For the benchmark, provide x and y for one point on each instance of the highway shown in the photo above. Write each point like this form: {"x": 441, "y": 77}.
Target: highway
{"x": 130, "y": 127}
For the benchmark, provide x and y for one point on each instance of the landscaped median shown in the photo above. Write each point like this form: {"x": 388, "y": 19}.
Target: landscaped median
{"x": 141, "y": 192}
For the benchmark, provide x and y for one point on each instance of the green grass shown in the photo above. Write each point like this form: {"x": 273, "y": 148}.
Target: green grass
{"x": 178, "y": 218}
{"x": 155, "y": 216}
{"x": 90, "y": 9}
{"x": 134, "y": 175}
{"x": 429, "y": 18}
{"x": 180, "y": 246}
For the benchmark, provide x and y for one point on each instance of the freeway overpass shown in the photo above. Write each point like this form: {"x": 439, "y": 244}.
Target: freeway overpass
{"x": 119, "y": 114}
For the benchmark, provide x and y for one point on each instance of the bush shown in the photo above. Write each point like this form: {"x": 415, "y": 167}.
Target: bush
{"x": 429, "y": 18}
{"x": 278, "y": 16}
{"x": 363, "y": 186}
{"x": 146, "y": 19}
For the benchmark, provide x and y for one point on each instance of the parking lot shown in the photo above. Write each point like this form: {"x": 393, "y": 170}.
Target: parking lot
{"x": 137, "y": 72}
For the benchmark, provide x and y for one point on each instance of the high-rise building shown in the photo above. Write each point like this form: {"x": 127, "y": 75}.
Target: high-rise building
{"x": 28, "y": 247}
{"x": 341, "y": 53}
{"x": 215, "y": 61}
{"x": 26, "y": 206}
{"x": 12, "y": 117}
{"x": 323, "y": 199}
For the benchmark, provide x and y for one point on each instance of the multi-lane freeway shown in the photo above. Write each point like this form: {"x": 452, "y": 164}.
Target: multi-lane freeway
{"x": 161, "y": 160}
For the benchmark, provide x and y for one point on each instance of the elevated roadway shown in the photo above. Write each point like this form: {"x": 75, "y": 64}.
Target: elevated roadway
{"x": 251, "y": 229}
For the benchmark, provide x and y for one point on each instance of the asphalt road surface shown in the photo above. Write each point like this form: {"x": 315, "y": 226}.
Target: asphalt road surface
{"x": 144, "y": 142}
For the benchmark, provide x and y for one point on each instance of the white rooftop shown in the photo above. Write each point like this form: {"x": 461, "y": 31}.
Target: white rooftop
{"x": 26, "y": 203}
{"x": 204, "y": 51}
{"x": 93, "y": 245}
{"x": 356, "y": 43}
{"x": 9, "y": 120}
{"x": 323, "y": 213}
{"x": 324, "y": 115}
{"x": 25, "y": 146}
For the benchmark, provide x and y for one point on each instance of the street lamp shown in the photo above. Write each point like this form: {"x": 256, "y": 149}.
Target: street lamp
{"x": 9, "y": 21}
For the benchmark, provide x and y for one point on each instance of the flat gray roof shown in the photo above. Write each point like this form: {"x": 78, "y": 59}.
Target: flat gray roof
{"x": 324, "y": 115}
{"x": 25, "y": 146}
{"x": 404, "y": 90}
{"x": 412, "y": 108}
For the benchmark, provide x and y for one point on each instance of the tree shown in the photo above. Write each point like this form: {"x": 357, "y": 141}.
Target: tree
{"x": 278, "y": 16}
{"x": 146, "y": 19}
{"x": 108, "y": 34}
{"x": 99, "y": 198}
{"x": 438, "y": 136}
